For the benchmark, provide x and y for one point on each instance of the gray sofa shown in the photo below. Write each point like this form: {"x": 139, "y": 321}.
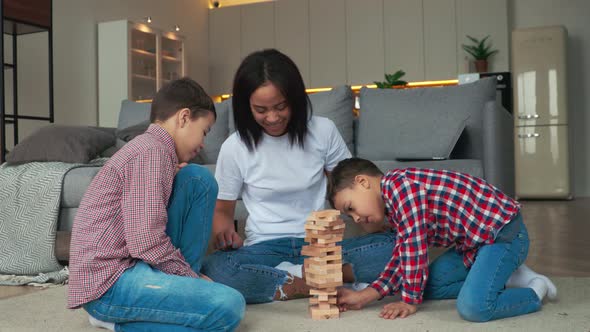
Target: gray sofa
{"x": 459, "y": 128}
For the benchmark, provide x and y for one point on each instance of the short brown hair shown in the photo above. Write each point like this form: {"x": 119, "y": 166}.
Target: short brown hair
{"x": 343, "y": 174}
{"x": 179, "y": 94}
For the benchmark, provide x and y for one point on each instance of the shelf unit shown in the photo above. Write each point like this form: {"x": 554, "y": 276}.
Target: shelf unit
{"x": 21, "y": 17}
{"x": 134, "y": 61}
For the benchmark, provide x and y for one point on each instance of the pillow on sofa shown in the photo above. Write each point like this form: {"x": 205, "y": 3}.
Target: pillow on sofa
{"x": 446, "y": 131}
{"x": 422, "y": 123}
{"x": 70, "y": 144}
{"x": 337, "y": 105}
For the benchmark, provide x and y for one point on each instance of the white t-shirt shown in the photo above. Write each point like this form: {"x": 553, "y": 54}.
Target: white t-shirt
{"x": 280, "y": 183}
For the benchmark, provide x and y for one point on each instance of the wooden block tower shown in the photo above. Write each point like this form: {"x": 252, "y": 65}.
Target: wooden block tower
{"x": 323, "y": 270}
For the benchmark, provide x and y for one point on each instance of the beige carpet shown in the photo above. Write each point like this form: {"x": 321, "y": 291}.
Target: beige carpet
{"x": 45, "y": 311}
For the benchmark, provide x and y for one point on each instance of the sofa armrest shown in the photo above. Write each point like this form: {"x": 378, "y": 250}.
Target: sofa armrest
{"x": 498, "y": 147}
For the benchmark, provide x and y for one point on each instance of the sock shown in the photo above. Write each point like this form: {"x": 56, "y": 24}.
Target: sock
{"x": 523, "y": 276}
{"x": 99, "y": 323}
{"x": 539, "y": 286}
{"x": 295, "y": 270}
{"x": 359, "y": 286}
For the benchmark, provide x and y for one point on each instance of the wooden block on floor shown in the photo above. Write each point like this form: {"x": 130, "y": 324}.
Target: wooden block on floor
{"x": 317, "y": 313}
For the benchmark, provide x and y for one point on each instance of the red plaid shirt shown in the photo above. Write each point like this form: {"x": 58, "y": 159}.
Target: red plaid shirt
{"x": 437, "y": 208}
{"x": 122, "y": 218}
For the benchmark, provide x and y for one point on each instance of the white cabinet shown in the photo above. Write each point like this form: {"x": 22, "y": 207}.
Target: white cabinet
{"x": 134, "y": 61}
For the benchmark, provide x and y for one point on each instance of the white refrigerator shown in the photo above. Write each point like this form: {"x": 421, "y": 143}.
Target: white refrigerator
{"x": 540, "y": 113}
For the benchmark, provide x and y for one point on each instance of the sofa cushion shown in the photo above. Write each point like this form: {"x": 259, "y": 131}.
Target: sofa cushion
{"x": 470, "y": 166}
{"x": 132, "y": 113}
{"x": 75, "y": 183}
{"x": 337, "y": 105}
{"x": 444, "y": 131}
{"x": 395, "y": 122}
{"x": 217, "y": 135}
{"x": 69, "y": 144}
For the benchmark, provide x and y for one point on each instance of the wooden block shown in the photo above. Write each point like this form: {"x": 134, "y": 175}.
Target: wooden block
{"x": 327, "y": 222}
{"x": 326, "y": 291}
{"x": 321, "y": 251}
{"x": 313, "y": 300}
{"x": 323, "y": 284}
{"x": 326, "y": 214}
{"x": 309, "y": 226}
{"x": 317, "y": 313}
{"x": 332, "y": 259}
{"x": 336, "y": 275}
{"x": 332, "y": 240}
{"x": 327, "y": 236}
{"x": 323, "y": 268}
{"x": 325, "y": 232}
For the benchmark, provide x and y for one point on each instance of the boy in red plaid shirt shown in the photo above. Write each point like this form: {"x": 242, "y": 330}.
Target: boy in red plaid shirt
{"x": 428, "y": 207}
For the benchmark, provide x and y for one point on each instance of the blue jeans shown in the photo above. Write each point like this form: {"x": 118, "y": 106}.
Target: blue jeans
{"x": 480, "y": 291}
{"x": 251, "y": 270}
{"x": 146, "y": 299}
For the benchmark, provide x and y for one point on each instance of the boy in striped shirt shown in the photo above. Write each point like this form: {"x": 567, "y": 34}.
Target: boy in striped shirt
{"x": 428, "y": 207}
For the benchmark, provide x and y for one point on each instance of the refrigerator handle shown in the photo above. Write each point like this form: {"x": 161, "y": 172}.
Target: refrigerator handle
{"x": 529, "y": 116}
{"x": 533, "y": 135}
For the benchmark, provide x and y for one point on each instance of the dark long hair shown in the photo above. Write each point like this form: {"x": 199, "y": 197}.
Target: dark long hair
{"x": 257, "y": 69}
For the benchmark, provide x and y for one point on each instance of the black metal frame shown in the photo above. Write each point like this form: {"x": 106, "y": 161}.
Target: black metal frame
{"x": 15, "y": 116}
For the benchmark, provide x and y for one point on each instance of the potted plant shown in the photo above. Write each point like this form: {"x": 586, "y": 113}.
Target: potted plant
{"x": 480, "y": 51}
{"x": 392, "y": 81}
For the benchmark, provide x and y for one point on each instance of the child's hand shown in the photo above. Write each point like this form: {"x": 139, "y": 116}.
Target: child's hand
{"x": 397, "y": 309}
{"x": 179, "y": 166}
{"x": 349, "y": 299}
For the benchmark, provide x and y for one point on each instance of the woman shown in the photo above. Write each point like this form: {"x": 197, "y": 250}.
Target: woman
{"x": 278, "y": 161}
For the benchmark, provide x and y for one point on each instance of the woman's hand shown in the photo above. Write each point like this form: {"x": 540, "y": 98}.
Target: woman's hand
{"x": 349, "y": 299}
{"x": 228, "y": 239}
{"x": 397, "y": 309}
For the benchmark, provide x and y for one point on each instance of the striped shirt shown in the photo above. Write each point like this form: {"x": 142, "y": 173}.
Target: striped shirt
{"x": 122, "y": 218}
{"x": 437, "y": 208}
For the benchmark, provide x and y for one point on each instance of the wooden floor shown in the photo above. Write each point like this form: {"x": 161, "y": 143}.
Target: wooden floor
{"x": 559, "y": 233}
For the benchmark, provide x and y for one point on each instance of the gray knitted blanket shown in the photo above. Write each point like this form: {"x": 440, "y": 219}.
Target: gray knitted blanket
{"x": 29, "y": 208}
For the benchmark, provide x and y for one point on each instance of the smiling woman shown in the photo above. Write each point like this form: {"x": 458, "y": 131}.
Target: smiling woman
{"x": 277, "y": 161}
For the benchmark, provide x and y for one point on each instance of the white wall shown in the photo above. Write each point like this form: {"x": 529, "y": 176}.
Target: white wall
{"x": 356, "y": 42}
{"x": 75, "y": 54}
{"x": 573, "y": 14}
